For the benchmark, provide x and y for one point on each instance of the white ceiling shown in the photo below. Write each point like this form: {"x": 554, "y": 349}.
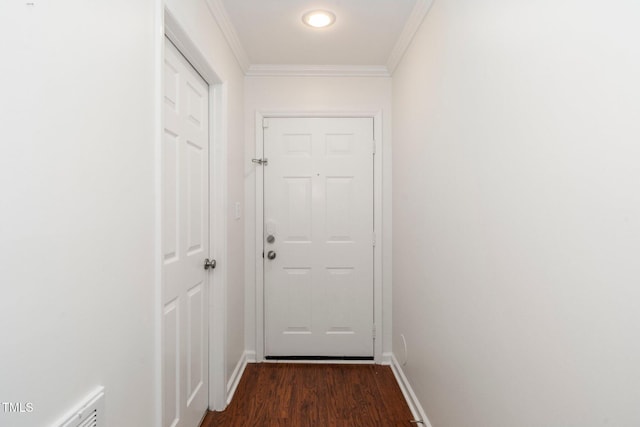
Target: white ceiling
{"x": 367, "y": 35}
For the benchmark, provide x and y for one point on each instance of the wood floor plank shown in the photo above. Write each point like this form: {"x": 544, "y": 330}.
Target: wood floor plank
{"x": 314, "y": 395}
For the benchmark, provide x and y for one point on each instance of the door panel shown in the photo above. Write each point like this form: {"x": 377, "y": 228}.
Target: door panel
{"x": 318, "y": 205}
{"x": 195, "y": 331}
{"x": 171, "y": 367}
{"x": 185, "y": 228}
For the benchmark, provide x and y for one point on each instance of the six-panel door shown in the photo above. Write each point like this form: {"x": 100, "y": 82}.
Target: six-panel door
{"x": 185, "y": 242}
{"x": 318, "y": 210}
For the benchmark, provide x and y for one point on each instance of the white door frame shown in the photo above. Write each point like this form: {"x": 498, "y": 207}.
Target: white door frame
{"x": 377, "y": 222}
{"x": 179, "y": 36}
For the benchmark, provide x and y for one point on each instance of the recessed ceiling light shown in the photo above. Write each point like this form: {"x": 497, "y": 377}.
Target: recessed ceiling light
{"x": 318, "y": 18}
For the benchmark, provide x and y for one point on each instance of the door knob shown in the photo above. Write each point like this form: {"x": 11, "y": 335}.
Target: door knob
{"x": 271, "y": 255}
{"x": 209, "y": 264}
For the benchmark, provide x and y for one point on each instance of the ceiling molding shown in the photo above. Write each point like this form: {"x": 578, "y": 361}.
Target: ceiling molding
{"x": 418, "y": 13}
{"x": 267, "y": 70}
{"x": 222, "y": 18}
{"x": 414, "y": 21}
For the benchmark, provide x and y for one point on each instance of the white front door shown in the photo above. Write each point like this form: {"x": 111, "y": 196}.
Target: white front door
{"x": 185, "y": 243}
{"x": 318, "y": 240}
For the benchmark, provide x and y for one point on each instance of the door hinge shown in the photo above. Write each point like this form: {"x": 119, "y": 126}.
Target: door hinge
{"x": 265, "y": 123}
{"x": 374, "y": 146}
{"x": 373, "y": 331}
{"x": 260, "y": 161}
{"x": 373, "y": 238}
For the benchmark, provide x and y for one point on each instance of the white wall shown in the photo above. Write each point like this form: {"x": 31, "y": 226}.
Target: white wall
{"x": 517, "y": 213}
{"x": 194, "y": 16}
{"x": 315, "y": 94}
{"x": 77, "y": 210}
{"x": 77, "y": 217}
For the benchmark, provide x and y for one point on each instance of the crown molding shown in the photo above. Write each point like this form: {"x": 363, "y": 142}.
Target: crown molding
{"x": 222, "y": 18}
{"x": 268, "y": 70}
{"x": 419, "y": 12}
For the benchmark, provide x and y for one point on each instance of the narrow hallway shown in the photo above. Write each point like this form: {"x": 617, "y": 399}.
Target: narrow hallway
{"x": 314, "y": 395}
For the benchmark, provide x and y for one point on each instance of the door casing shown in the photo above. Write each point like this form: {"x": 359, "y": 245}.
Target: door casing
{"x": 377, "y": 224}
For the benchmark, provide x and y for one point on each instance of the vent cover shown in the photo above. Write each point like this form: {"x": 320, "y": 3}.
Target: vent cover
{"x": 91, "y": 420}
{"x": 90, "y": 413}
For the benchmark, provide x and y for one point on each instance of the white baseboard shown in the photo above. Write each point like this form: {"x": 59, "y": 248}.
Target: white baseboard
{"x": 232, "y": 385}
{"x": 386, "y": 359}
{"x": 251, "y": 356}
{"x": 411, "y": 398}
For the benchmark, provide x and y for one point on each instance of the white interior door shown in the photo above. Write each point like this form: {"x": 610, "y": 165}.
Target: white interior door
{"x": 185, "y": 244}
{"x": 318, "y": 242}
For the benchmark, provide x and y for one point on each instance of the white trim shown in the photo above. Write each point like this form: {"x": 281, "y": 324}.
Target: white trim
{"x": 418, "y": 13}
{"x": 266, "y": 70}
{"x": 420, "y": 10}
{"x": 217, "y": 206}
{"x": 159, "y": 31}
{"x": 251, "y": 356}
{"x": 259, "y": 266}
{"x": 414, "y": 405}
{"x": 236, "y": 376}
{"x": 378, "y": 277}
{"x": 226, "y": 26}
{"x": 415, "y": 19}
{"x": 181, "y": 39}
{"x": 375, "y": 114}
{"x": 218, "y": 249}
{"x": 386, "y": 359}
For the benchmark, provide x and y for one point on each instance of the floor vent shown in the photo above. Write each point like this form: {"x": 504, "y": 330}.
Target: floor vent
{"x": 88, "y": 414}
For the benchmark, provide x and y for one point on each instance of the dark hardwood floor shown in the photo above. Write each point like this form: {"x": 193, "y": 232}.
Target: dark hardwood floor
{"x": 314, "y": 395}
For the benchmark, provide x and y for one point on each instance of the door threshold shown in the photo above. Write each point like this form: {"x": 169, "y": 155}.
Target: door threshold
{"x": 318, "y": 358}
